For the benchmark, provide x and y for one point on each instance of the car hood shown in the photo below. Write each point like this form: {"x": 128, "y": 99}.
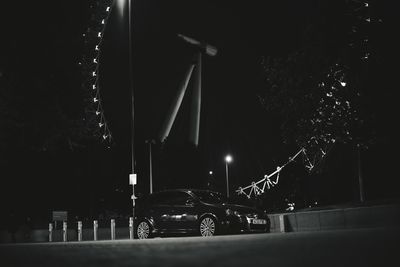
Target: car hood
{"x": 240, "y": 208}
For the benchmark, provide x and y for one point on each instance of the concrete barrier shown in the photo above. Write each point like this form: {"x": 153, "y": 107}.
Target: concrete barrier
{"x": 359, "y": 217}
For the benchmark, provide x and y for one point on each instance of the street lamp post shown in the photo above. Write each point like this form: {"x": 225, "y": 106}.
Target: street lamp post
{"x": 210, "y": 178}
{"x": 228, "y": 159}
{"x": 132, "y": 176}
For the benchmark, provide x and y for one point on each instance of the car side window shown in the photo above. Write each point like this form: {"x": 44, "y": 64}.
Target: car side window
{"x": 159, "y": 199}
{"x": 181, "y": 198}
{"x": 174, "y": 198}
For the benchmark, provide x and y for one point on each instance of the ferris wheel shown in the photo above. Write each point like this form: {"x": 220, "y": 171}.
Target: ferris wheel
{"x": 90, "y": 67}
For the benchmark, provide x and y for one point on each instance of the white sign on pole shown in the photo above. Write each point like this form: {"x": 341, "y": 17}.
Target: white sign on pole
{"x": 132, "y": 179}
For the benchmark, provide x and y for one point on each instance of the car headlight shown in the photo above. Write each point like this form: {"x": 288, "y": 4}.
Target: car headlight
{"x": 231, "y": 212}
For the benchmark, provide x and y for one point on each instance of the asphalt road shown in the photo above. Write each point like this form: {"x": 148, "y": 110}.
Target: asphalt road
{"x": 358, "y": 247}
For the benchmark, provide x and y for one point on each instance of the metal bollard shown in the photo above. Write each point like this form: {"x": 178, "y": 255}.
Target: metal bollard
{"x": 282, "y": 226}
{"x": 95, "y": 227}
{"x": 130, "y": 227}
{"x": 65, "y": 231}
{"x": 79, "y": 231}
{"x": 112, "y": 229}
{"x": 50, "y": 232}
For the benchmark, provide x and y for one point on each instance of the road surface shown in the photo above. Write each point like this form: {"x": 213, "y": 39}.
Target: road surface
{"x": 357, "y": 247}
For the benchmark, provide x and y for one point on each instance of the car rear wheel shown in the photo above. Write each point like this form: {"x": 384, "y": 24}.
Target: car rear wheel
{"x": 208, "y": 226}
{"x": 143, "y": 230}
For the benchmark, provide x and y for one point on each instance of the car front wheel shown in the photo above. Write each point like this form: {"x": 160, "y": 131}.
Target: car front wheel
{"x": 208, "y": 226}
{"x": 143, "y": 230}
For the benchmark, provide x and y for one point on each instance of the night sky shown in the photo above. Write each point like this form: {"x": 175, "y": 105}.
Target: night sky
{"x": 44, "y": 166}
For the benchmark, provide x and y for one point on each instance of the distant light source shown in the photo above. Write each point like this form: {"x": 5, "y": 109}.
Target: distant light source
{"x": 120, "y": 5}
{"x": 343, "y": 84}
{"x": 210, "y": 172}
{"x": 228, "y": 159}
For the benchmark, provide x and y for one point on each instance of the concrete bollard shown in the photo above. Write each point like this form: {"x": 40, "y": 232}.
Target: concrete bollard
{"x": 130, "y": 227}
{"x": 50, "y": 232}
{"x": 112, "y": 229}
{"x": 95, "y": 227}
{"x": 65, "y": 231}
{"x": 282, "y": 226}
{"x": 79, "y": 231}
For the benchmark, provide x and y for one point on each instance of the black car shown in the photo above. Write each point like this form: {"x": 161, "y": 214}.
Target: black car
{"x": 191, "y": 211}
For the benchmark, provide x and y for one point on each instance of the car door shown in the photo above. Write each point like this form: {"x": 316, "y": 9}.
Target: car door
{"x": 184, "y": 212}
{"x": 174, "y": 211}
{"x": 161, "y": 211}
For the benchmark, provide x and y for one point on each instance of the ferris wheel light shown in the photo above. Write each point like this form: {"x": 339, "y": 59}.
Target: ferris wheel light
{"x": 92, "y": 63}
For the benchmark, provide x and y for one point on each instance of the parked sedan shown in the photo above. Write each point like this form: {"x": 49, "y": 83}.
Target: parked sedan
{"x": 201, "y": 212}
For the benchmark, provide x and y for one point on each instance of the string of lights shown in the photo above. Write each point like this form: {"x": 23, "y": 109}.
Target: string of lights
{"x": 90, "y": 66}
{"x": 266, "y": 183}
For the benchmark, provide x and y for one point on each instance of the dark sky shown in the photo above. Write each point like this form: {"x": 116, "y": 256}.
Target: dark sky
{"x": 41, "y": 44}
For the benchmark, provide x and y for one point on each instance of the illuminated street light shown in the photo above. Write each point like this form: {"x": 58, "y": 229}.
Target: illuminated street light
{"x": 228, "y": 159}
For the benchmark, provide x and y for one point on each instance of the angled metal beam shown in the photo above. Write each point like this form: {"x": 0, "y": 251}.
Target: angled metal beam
{"x": 175, "y": 105}
{"x": 196, "y": 104}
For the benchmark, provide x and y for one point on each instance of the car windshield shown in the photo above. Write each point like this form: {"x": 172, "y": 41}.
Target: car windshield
{"x": 210, "y": 197}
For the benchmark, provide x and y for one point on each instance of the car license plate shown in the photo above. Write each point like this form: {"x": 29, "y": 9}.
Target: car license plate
{"x": 259, "y": 221}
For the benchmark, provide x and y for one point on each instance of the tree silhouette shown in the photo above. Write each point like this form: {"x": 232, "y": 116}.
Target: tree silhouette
{"x": 321, "y": 91}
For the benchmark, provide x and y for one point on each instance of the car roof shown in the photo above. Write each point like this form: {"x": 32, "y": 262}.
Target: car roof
{"x": 187, "y": 190}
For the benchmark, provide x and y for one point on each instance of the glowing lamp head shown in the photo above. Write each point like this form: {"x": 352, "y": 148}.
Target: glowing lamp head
{"x": 228, "y": 159}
